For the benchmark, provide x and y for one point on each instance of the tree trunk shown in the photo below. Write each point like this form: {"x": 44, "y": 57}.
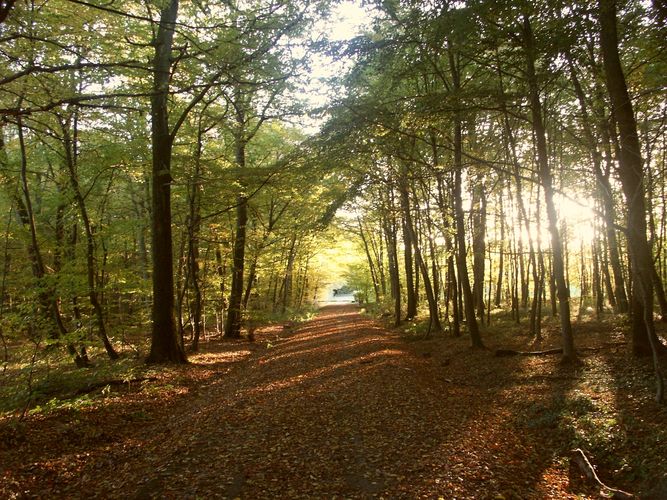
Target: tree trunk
{"x": 501, "y": 251}
{"x": 463, "y": 278}
{"x": 389, "y": 227}
{"x": 604, "y": 191}
{"x": 288, "y": 278}
{"x": 221, "y": 270}
{"x": 165, "y": 345}
{"x": 434, "y": 321}
{"x": 70, "y": 160}
{"x": 369, "y": 258}
{"x": 194, "y": 227}
{"x": 409, "y": 269}
{"x": 547, "y": 184}
{"x": 631, "y": 175}
{"x": 479, "y": 246}
{"x": 47, "y": 298}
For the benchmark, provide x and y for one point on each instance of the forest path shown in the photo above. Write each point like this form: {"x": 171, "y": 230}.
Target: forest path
{"x": 337, "y": 408}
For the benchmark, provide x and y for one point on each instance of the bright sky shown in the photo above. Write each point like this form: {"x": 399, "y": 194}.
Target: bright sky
{"x": 348, "y": 20}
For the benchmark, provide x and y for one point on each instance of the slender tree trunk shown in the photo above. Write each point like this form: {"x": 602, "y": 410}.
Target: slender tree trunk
{"x": 501, "y": 251}
{"x": 221, "y": 270}
{"x": 194, "y": 227}
{"x": 604, "y": 191}
{"x": 463, "y": 278}
{"x": 606, "y": 275}
{"x": 70, "y": 160}
{"x": 47, "y": 298}
{"x": 389, "y": 227}
{"x": 479, "y": 246}
{"x": 377, "y": 251}
{"x": 409, "y": 267}
{"x": 234, "y": 315}
{"x": 547, "y": 184}
{"x": 289, "y": 271}
{"x": 369, "y": 258}
{"x": 434, "y": 314}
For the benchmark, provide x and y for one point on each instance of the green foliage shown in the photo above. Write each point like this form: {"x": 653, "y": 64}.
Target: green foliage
{"x": 577, "y": 421}
{"x": 51, "y": 382}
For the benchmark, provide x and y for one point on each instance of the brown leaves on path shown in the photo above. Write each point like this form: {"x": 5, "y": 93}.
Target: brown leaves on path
{"x": 339, "y": 408}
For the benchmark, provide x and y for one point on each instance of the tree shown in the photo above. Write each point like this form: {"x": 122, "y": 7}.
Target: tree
{"x": 165, "y": 345}
{"x": 631, "y": 174}
{"x": 546, "y": 179}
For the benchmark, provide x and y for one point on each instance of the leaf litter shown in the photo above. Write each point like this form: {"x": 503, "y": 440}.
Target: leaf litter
{"x": 343, "y": 408}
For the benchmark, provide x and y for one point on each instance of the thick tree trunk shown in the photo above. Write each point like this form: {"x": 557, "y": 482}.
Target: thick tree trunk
{"x": 631, "y": 175}
{"x": 165, "y": 345}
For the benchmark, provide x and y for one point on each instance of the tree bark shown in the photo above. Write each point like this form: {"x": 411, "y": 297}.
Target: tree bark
{"x": 70, "y": 160}
{"x": 165, "y": 345}
{"x": 369, "y": 258}
{"x": 434, "y": 320}
{"x": 389, "y": 228}
{"x": 479, "y": 246}
{"x": 411, "y": 299}
{"x": 547, "y": 184}
{"x": 194, "y": 227}
{"x": 47, "y": 298}
{"x": 631, "y": 175}
{"x": 604, "y": 191}
{"x": 459, "y": 217}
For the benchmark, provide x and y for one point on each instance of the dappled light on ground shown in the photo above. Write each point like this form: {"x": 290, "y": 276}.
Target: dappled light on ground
{"x": 341, "y": 407}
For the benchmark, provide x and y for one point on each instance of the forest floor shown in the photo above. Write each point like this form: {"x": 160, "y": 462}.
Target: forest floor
{"x": 342, "y": 407}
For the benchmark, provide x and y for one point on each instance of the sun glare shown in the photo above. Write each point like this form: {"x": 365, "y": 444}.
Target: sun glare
{"x": 578, "y": 216}
{"x": 347, "y": 21}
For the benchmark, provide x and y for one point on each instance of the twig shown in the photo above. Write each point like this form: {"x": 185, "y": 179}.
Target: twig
{"x": 580, "y": 460}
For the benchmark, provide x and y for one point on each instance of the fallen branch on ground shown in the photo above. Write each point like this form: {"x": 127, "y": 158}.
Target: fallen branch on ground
{"x": 502, "y": 353}
{"x": 115, "y": 382}
{"x": 579, "y": 462}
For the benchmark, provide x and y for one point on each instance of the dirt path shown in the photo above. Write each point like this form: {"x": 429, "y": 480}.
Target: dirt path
{"x": 339, "y": 408}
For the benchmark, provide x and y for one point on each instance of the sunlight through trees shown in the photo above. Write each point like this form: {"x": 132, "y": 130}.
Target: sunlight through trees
{"x": 190, "y": 169}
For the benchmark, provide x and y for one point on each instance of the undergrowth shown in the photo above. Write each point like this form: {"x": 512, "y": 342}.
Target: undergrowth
{"x": 41, "y": 378}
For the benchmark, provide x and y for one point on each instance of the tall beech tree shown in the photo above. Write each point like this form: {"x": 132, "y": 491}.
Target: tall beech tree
{"x": 546, "y": 180}
{"x": 165, "y": 344}
{"x": 632, "y": 178}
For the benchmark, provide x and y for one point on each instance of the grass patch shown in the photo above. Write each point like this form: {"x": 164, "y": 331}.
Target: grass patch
{"x": 51, "y": 381}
